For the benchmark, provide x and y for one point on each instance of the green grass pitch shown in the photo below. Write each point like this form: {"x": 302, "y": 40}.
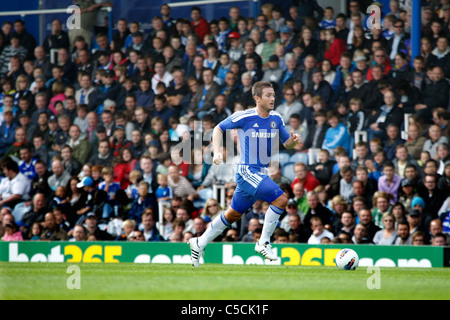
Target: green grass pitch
{"x": 218, "y": 282}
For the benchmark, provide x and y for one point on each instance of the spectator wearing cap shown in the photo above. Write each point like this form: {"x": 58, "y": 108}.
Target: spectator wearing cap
{"x": 119, "y": 141}
{"x": 407, "y": 193}
{"x": 109, "y": 89}
{"x": 235, "y": 51}
{"x": 86, "y": 202}
{"x": 287, "y": 38}
{"x": 138, "y": 44}
{"x": 415, "y": 221}
{"x": 273, "y": 72}
{"x": 92, "y": 228}
{"x": 7, "y": 130}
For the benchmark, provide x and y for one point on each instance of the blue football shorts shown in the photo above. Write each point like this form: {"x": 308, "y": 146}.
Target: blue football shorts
{"x": 252, "y": 185}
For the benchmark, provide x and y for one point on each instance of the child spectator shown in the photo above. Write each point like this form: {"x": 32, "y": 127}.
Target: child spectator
{"x": 12, "y": 233}
{"x": 128, "y": 227}
{"x": 167, "y": 223}
{"x": 132, "y": 189}
{"x": 222, "y": 70}
{"x": 163, "y": 192}
{"x": 323, "y": 169}
{"x": 356, "y": 115}
{"x": 111, "y": 188}
{"x": 328, "y": 20}
{"x": 336, "y": 135}
{"x": 81, "y": 119}
{"x": 143, "y": 201}
{"x": 35, "y": 231}
{"x": 60, "y": 198}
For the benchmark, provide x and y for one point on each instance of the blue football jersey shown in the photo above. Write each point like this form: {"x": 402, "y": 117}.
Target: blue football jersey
{"x": 258, "y": 137}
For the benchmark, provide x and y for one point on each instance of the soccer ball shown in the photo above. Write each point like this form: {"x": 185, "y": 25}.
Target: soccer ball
{"x": 347, "y": 259}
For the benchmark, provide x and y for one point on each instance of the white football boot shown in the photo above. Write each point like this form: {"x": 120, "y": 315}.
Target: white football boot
{"x": 266, "y": 251}
{"x": 196, "y": 252}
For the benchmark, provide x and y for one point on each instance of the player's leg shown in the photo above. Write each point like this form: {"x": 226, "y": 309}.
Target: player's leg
{"x": 218, "y": 225}
{"x": 269, "y": 191}
{"x": 272, "y": 217}
{"x": 241, "y": 202}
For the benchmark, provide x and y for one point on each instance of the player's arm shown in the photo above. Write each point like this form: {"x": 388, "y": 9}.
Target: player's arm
{"x": 293, "y": 140}
{"x": 217, "y": 145}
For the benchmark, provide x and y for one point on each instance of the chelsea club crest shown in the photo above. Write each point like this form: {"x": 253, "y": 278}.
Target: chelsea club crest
{"x": 273, "y": 124}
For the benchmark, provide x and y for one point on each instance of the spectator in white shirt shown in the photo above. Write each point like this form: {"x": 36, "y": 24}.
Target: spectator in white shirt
{"x": 15, "y": 187}
{"x": 318, "y": 231}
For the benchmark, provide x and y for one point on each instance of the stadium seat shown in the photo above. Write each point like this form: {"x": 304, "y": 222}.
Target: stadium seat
{"x": 282, "y": 158}
{"x": 288, "y": 170}
{"x": 204, "y": 195}
{"x": 299, "y": 157}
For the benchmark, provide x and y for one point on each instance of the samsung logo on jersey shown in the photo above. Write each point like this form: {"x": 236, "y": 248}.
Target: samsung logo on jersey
{"x": 263, "y": 134}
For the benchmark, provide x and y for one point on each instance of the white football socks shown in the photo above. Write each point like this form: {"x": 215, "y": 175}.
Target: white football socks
{"x": 215, "y": 229}
{"x": 270, "y": 223}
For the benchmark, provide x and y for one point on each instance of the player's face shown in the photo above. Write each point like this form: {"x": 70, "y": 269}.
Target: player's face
{"x": 267, "y": 99}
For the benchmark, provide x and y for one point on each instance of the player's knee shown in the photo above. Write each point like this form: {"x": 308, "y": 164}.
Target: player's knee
{"x": 232, "y": 215}
{"x": 281, "y": 201}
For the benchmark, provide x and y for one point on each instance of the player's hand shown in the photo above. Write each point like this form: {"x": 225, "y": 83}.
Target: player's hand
{"x": 218, "y": 158}
{"x": 296, "y": 137}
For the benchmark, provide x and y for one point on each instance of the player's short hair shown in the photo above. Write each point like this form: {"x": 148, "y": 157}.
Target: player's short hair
{"x": 259, "y": 86}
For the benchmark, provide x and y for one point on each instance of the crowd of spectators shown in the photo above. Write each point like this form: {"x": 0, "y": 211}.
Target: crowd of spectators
{"x": 89, "y": 125}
